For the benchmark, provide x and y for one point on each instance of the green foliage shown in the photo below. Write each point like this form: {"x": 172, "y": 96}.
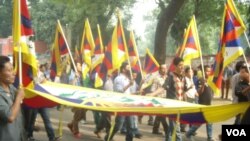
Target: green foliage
{"x": 5, "y": 18}
{"x": 45, "y": 13}
{"x": 73, "y": 14}
{"x": 208, "y": 15}
{"x": 44, "y": 16}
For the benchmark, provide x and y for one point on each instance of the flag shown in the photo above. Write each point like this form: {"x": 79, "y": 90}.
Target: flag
{"x": 232, "y": 28}
{"x": 215, "y": 78}
{"x": 133, "y": 53}
{"x": 150, "y": 64}
{"x": 229, "y": 48}
{"x": 106, "y": 66}
{"x": 22, "y": 33}
{"x": 118, "y": 46}
{"x": 178, "y": 53}
{"x": 87, "y": 48}
{"x": 98, "y": 50}
{"x": 191, "y": 44}
{"x": 235, "y": 17}
{"x": 97, "y": 60}
{"x": 59, "y": 50}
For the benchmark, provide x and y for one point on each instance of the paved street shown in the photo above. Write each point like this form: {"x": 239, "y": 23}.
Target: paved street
{"x": 88, "y": 135}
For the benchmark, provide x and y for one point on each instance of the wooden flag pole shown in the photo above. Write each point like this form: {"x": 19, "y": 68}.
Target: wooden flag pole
{"x": 61, "y": 115}
{"x": 244, "y": 56}
{"x": 125, "y": 44}
{"x": 70, "y": 55}
{"x": 137, "y": 54}
{"x": 198, "y": 40}
{"x": 20, "y": 51}
{"x": 247, "y": 39}
{"x": 20, "y": 65}
{"x": 246, "y": 62}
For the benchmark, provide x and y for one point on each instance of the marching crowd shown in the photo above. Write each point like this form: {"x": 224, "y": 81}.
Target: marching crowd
{"x": 184, "y": 84}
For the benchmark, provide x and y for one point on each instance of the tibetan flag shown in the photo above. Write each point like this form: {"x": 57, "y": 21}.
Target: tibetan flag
{"x": 178, "y": 53}
{"x": 133, "y": 53}
{"x": 191, "y": 44}
{"x": 232, "y": 28}
{"x": 235, "y": 17}
{"x": 22, "y": 33}
{"x": 228, "y": 51}
{"x": 87, "y": 48}
{"x": 215, "y": 78}
{"x": 150, "y": 64}
{"x": 118, "y": 45}
{"x": 88, "y": 44}
{"x": 98, "y": 51}
{"x": 59, "y": 50}
{"x": 106, "y": 66}
{"x": 97, "y": 60}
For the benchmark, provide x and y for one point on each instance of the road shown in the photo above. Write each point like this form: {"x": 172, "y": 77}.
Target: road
{"x": 88, "y": 128}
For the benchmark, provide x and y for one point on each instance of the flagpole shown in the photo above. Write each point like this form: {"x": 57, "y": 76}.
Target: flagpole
{"x": 247, "y": 39}
{"x": 198, "y": 40}
{"x": 125, "y": 44}
{"x": 20, "y": 50}
{"x": 137, "y": 54}
{"x": 246, "y": 62}
{"x": 70, "y": 55}
{"x": 244, "y": 56}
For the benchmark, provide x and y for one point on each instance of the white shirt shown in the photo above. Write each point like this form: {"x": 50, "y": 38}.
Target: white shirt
{"x": 133, "y": 88}
{"x": 108, "y": 86}
{"x": 40, "y": 77}
{"x": 158, "y": 82}
{"x": 234, "y": 81}
{"x": 120, "y": 82}
{"x": 191, "y": 89}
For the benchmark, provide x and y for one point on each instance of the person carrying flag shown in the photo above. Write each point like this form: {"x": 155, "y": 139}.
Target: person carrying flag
{"x": 205, "y": 98}
{"x": 174, "y": 86}
{"x": 11, "y": 127}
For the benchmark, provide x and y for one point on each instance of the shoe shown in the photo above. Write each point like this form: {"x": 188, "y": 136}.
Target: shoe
{"x": 123, "y": 132}
{"x": 139, "y": 120}
{"x": 194, "y": 134}
{"x": 78, "y": 135}
{"x": 31, "y": 139}
{"x": 36, "y": 128}
{"x": 210, "y": 139}
{"x": 83, "y": 121}
{"x": 70, "y": 127}
{"x": 97, "y": 134}
{"x": 157, "y": 132}
{"x": 139, "y": 136}
{"x": 150, "y": 123}
{"x": 187, "y": 138}
{"x": 219, "y": 137}
{"x": 56, "y": 139}
{"x": 183, "y": 130}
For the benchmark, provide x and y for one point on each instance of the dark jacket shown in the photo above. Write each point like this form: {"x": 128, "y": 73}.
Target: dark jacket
{"x": 205, "y": 93}
{"x": 238, "y": 91}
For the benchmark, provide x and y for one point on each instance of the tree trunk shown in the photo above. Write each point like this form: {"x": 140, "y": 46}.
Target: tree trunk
{"x": 166, "y": 18}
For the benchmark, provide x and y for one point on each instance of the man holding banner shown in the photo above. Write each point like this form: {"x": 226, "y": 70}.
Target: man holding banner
{"x": 174, "y": 85}
{"x": 11, "y": 127}
{"x": 122, "y": 84}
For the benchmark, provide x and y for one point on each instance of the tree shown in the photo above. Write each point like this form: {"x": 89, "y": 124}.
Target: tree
{"x": 5, "y": 18}
{"x": 166, "y": 18}
{"x": 208, "y": 16}
{"x": 44, "y": 16}
{"x": 73, "y": 14}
